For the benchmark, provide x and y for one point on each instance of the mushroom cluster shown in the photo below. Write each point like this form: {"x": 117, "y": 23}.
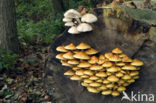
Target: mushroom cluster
{"x": 109, "y": 74}
{"x": 77, "y": 22}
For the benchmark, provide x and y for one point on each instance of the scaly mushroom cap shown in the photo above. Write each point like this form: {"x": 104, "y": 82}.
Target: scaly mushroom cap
{"x": 120, "y": 64}
{"x": 75, "y": 77}
{"x": 84, "y": 27}
{"x": 136, "y": 77}
{"x": 64, "y": 63}
{"x": 102, "y": 57}
{"x": 113, "y": 78}
{"x": 111, "y": 85}
{"x": 75, "y": 68}
{"x": 115, "y": 58}
{"x": 71, "y": 13}
{"x": 73, "y": 62}
{"x": 82, "y": 46}
{"x": 121, "y": 89}
{"x": 92, "y": 90}
{"x": 119, "y": 74}
{"x": 99, "y": 81}
{"x": 101, "y": 74}
{"x": 129, "y": 67}
{"x": 71, "y": 46}
{"x": 134, "y": 73}
{"x": 69, "y": 24}
{"x": 88, "y": 72}
{"x": 137, "y": 62}
{"x": 126, "y": 59}
{"x": 84, "y": 84}
{"x": 116, "y": 51}
{"x": 91, "y": 51}
{"x": 113, "y": 69}
{"x": 106, "y": 92}
{"x": 103, "y": 87}
{"x": 131, "y": 81}
{"x": 73, "y": 30}
{"x": 108, "y": 55}
{"x": 107, "y": 64}
{"x": 79, "y": 72}
{"x": 122, "y": 55}
{"x": 115, "y": 93}
{"x": 95, "y": 84}
{"x": 69, "y": 72}
{"x": 126, "y": 77}
{"x": 60, "y": 56}
{"x": 84, "y": 76}
{"x": 84, "y": 64}
{"x": 126, "y": 84}
{"x": 105, "y": 81}
{"x": 61, "y": 49}
{"x": 96, "y": 67}
{"x": 68, "y": 55}
{"x": 121, "y": 81}
{"x": 93, "y": 60}
{"x": 94, "y": 78}
{"x": 88, "y": 81}
{"x": 89, "y": 18}
{"x": 81, "y": 55}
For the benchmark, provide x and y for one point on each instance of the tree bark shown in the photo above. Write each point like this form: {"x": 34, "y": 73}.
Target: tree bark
{"x": 8, "y": 32}
{"x": 57, "y": 6}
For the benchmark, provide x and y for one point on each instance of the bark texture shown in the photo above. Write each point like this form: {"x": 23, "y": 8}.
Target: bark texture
{"x": 8, "y": 32}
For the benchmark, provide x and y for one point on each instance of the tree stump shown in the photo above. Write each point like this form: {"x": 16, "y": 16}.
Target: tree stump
{"x": 129, "y": 35}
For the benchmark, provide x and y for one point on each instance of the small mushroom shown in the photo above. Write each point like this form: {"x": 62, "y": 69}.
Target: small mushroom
{"x": 75, "y": 77}
{"x": 129, "y": 67}
{"x": 131, "y": 81}
{"x": 115, "y": 93}
{"x": 137, "y": 62}
{"x": 116, "y": 51}
{"x": 94, "y": 77}
{"x": 61, "y": 49}
{"x": 71, "y": 46}
{"x": 73, "y": 62}
{"x": 84, "y": 84}
{"x": 103, "y": 87}
{"x": 93, "y": 60}
{"x": 88, "y": 81}
{"x": 75, "y": 68}
{"x": 108, "y": 55}
{"x": 126, "y": 59}
{"x": 68, "y": 55}
{"x": 113, "y": 78}
{"x": 136, "y": 77}
{"x": 69, "y": 72}
{"x": 120, "y": 64}
{"x": 84, "y": 76}
{"x": 89, "y": 18}
{"x": 88, "y": 72}
{"x": 91, "y": 51}
{"x": 92, "y": 90}
{"x": 69, "y": 24}
{"x": 96, "y": 67}
{"x": 134, "y": 73}
{"x": 81, "y": 55}
{"x": 101, "y": 74}
{"x": 71, "y": 13}
{"x": 60, "y": 56}
{"x": 83, "y": 46}
{"x": 84, "y": 64}
{"x": 67, "y": 19}
{"x": 111, "y": 85}
{"x": 95, "y": 84}
{"x": 121, "y": 88}
{"x": 107, "y": 64}
{"x": 119, "y": 74}
{"x": 105, "y": 81}
{"x": 113, "y": 69}
{"x": 106, "y": 92}
{"x": 114, "y": 58}
{"x": 84, "y": 27}
{"x": 79, "y": 72}
{"x": 73, "y": 30}
{"x": 64, "y": 63}
{"x": 126, "y": 77}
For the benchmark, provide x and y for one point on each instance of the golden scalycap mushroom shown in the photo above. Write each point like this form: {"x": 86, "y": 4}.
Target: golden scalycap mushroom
{"x": 73, "y": 62}
{"x": 105, "y": 81}
{"x": 68, "y": 55}
{"x": 126, "y": 77}
{"x": 92, "y": 90}
{"x": 103, "y": 87}
{"x": 94, "y": 78}
{"x": 84, "y": 84}
{"x": 84, "y": 64}
{"x": 113, "y": 69}
{"x": 88, "y": 81}
{"x": 108, "y": 55}
{"x": 81, "y": 55}
{"x": 120, "y": 64}
{"x": 126, "y": 84}
{"x": 121, "y": 81}
{"x": 129, "y": 67}
{"x": 61, "y": 49}
{"x": 113, "y": 78}
{"x": 119, "y": 74}
{"x": 69, "y": 72}
{"x": 108, "y": 73}
{"x": 102, "y": 57}
{"x": 126, "y": 59}
{"x": 122, "y": 55}
{"x": 60, "y": 56}
{"x": 93, "y": 60}
{"x": 79, "y": 72}
{"x": 71, "y": 46}
{"x": 91, "y": 51}
{"x": 131, "y": 81}
{"x": 75, "y": 68}
{"x": 101, "y": 74}
{"x": 116, "y": 51}
{"x": 84, "y": 76}
{"x": 136, "y": 77}
{"x": 121, "y": 88}
{"x": 83, "y": 46}
{"x": 95, "y": 84}
{"x": 134, "y": 73}
{"x": 115, "y": 93}
{"x": 99, "y": 81}
{"x": 75, "y": 77}
{"x": 88, "y": 72}
{"x": 107, "y": 64}
{"x": 110, "y": 85}
{"x": 64, "y": 63}
{"x": 106, "y": 92}
{"x": 115, "y": 58}
{"x": 96, "y": 67}
{"x": 137, "y": 62}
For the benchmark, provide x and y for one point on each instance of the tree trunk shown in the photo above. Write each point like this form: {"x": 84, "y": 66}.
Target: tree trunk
{"x": 8, "y": 32}
{"x": 57, "y": 6}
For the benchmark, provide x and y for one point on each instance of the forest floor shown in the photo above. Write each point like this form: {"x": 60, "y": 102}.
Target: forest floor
{"x": 25, "y": 84}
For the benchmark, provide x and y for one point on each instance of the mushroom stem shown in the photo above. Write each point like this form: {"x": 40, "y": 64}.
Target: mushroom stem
{"x": 78, "y": 20}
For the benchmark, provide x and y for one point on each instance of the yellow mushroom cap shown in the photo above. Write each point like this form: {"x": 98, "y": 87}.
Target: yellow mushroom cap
{"x": 110, "y": 85}
{"x": 126, "y": 77}
{"x": 137, "y": 62}
{"x": 71, "y": 46}
{"x": 106, "y": 92}
{"x": 101, "y": 74}
{"x": 64, "y": 63}
{"x": 108, "y": 73}
{"x": 122, "y": 55}
{"x": 102, "y": 57}
{"x": 84, "y": 84}
{"x": 121, "y": 81}
{"x": 81, "y": 55}
{"x": 61, "y": 49}
{"x": 126, "y": 84}
{"x": 75, "y": 68}
{"x": 88, "y": 72}
{"x": 101, "y": 61}
{"x": 134, "y": 73}
{"x": 115, "y": 58}
{"x": 99, "y": 81}
{"x": 103, "y": 87}
{"x": 88, "y": 81}
{"x": 117, "y": 51}
{"x": 84, "y": 76}
{"x": 126, "y": 59}
{"x": 131, "y": 81}
{"x": 95, "y": 84}
{"x": 69, "y": 72}
{"x": 108, "y": 55}
{"x": 60, "y": 56}
{"x": 73, "y": 62}
{"x": 94, "y": 78}
{"x": 136, "y": 77}
{"x": 75, "y": 77}
{"x": 121, "y": 89}
{"x": 113, "y": 69}
{"x": 120, "y": 64}
{"x": 93, "y": 60}
{"x": 79, "y": 72}
{"x": 105, "y": 81}
{"x": 115, "y": 93}
{"x": 129, "y": 67}
{"x": 107, "y": 64}
{"x": 96, "y": 67}
{"x": 83, "y": 46}
{"x": 84, "y": 64}
{"x": 68, "y": 55}
{"x": 92, "y": 90}
{"x": 91, "y": 51}
{"x": 119, "y": 74}
{"x": 113, "y": 78}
